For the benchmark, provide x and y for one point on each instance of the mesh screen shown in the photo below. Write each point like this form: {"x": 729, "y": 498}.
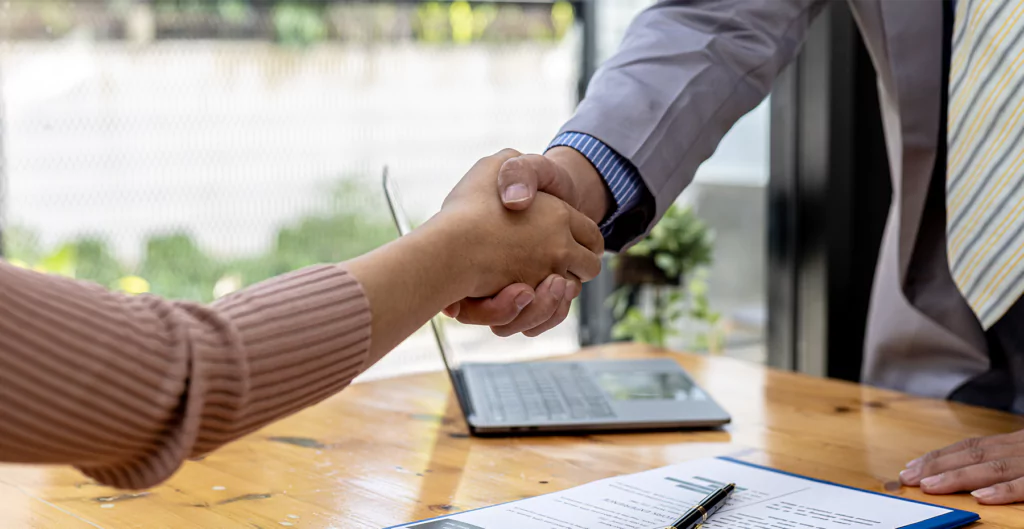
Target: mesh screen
{"x": 190, "y": 148}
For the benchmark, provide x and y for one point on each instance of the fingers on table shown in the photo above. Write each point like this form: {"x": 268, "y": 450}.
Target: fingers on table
{"x": 975, "y": 477}
{"x": 969, "y": 457}
{"x": 991, "y": 467}
{"x": 967, "y": 444}
{"x": 1001, "y": 493}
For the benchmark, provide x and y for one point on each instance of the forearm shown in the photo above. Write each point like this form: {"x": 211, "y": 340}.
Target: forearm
{"x": 410, "y": 280}
{"x": 126, "y": 388}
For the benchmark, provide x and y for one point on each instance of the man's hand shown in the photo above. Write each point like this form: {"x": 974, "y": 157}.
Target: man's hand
{"x": 991, "y": 467}
{"x": 568, "y": 175}
{"x": 501, "y": 247}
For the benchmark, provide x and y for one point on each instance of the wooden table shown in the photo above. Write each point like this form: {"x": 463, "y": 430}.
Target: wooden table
{"x": 397, "y": 450}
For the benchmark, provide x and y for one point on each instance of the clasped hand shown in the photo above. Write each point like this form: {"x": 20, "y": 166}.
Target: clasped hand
{"x": 507, "y": 252}
{"x": 526, "y": 183}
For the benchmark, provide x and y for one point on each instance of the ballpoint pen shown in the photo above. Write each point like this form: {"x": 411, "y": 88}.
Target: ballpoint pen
{"x": 698, "y": 514}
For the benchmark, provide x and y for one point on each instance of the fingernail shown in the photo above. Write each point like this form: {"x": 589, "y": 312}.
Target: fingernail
{"x": 570, "y": 291}
{"x": 558, "y": 288}
{"x": 914, "y": 463}
{"x": 524, "y": 299}
{"x": 516, "y": 193}
{"x": 909, "y": 475}
{"x": 985, "y": 494}
{"x": 931, "y": 481}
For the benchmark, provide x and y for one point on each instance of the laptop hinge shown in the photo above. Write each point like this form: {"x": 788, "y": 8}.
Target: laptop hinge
{"x": 462, "y": 393}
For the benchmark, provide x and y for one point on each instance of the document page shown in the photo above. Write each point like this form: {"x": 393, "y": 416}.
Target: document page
{"x": 651, "y": 500}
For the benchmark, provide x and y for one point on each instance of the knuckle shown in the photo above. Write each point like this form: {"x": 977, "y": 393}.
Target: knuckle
{"x": 967, "y": 444}
{"x": 976, "y": 455}
{"x": 564, "y": 212}
{"x": 547, "y": 308}
{"x": 534, "y": 158}
{"x": 957, "y": 476}
{"x": 562, "y": 257}
{"x": 999, "y": 467}
{"x": 511, "y": 167}
{"x": 507, "y": 153}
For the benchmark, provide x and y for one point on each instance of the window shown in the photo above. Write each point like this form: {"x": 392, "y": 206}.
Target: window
{"x": 190, "y": 148}
{"x": 729, "y": 193}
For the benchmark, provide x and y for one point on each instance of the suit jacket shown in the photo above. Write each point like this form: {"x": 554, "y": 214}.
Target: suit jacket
{"x": 687, "y": 70}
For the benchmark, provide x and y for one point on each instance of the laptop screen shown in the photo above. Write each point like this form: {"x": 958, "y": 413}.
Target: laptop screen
{"x": 451, "y": 362}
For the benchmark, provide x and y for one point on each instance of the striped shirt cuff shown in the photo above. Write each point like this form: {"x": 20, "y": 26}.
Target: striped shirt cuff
{"x": 620, "y": 175}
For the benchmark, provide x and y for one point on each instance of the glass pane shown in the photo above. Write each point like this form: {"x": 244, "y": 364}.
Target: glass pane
{"x": 190, "y": 148}
{"x": 729, "y": 194}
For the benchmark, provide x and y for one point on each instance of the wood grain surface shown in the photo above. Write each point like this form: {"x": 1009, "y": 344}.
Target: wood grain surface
{"x": 397, "y": 450}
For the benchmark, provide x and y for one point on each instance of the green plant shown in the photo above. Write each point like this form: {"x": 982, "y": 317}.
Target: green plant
{"x": 299, "y": 24}
{"x": 85, "y": 257}
{"x": 680, "y": 245}
{"x": 680, "y": 242}
{"x": 175, "y": 266}
{"x": 234, "y": 11}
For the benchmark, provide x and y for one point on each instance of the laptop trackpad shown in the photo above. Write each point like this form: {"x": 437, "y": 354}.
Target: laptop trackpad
{"x": 630, "y": 385}
{"x": 654, "y": 390}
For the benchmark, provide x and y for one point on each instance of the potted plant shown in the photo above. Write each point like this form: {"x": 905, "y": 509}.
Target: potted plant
{"x": 669, "y": 265}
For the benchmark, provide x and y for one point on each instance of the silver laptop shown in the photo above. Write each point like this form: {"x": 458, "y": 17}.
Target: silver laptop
{"x": 566, "y": 397}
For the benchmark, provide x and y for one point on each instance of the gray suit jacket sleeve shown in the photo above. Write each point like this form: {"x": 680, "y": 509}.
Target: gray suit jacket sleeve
{"x": 685, "y": 72}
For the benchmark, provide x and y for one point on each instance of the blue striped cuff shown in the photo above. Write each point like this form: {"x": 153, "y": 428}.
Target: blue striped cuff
{"x": 619, "y": 174}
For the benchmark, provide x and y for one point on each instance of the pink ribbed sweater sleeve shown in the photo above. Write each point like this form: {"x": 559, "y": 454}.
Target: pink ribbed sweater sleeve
{"x": 126, "y": 388}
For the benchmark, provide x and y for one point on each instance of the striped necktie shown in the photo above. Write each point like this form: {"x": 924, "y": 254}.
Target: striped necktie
{"x": 985, "y": 155}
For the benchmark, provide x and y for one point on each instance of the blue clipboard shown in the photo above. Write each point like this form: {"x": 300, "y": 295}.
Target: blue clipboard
{"x": 950, "y": 520}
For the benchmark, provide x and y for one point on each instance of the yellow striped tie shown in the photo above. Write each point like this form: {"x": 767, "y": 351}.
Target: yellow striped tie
{"x": 985, "y": 160}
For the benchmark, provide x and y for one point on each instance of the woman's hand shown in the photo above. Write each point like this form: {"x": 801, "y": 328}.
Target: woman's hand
{"x": 474, "y": 247}
{"x": 992, "y": 468}
{"x": 498, "y": 247}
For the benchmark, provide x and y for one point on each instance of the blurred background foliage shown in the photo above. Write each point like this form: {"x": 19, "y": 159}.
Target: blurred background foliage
{"x": 175, "y": 266}
{"x": 293, "y": 23}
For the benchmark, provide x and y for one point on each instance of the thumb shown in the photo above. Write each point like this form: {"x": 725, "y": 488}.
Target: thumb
{"x": 521, "y": 177}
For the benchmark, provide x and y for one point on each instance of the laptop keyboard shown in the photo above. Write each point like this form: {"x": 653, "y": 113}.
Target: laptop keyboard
{"x": 526, "y": 393}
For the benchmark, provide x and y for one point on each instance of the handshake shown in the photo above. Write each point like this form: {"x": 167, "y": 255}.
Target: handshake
{"x": 523, "y": 233}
